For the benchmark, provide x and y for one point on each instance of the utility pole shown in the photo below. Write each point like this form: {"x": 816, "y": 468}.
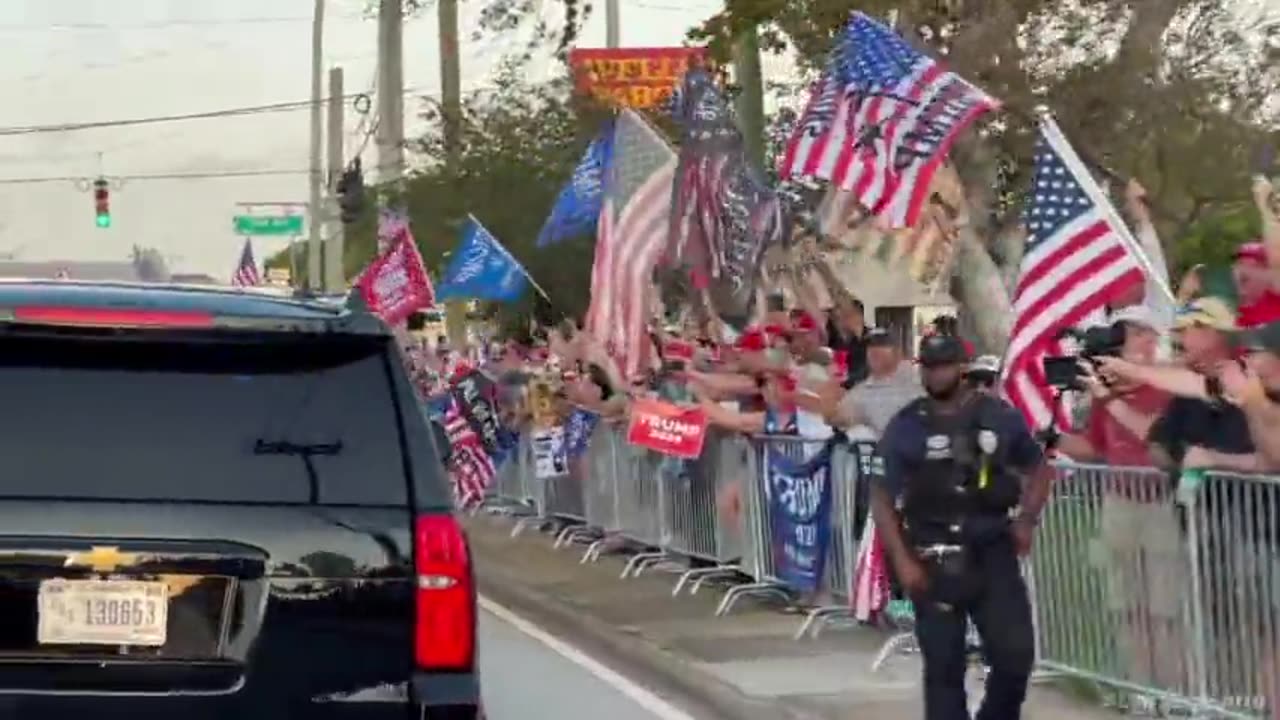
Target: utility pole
{"x": 391, "y": 93}
{"x": 334, "y": 278}
{"x": 612, "y": 24}
{"x": 315, "y": 210}
{"x": 747, "y": 76}
{"x": 455, "y": 316}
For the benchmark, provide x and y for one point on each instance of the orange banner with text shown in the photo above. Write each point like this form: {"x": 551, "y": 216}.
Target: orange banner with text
{"x": 638, "y": 78}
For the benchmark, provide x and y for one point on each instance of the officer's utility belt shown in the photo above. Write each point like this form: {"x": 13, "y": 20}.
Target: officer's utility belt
{"x": 938, "y": 550}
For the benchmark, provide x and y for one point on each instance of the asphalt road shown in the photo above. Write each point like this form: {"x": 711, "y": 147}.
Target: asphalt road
{"x": 525, "y": 679}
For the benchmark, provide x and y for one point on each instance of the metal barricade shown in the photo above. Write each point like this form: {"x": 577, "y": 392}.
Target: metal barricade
{"x": 600, "y": 487}
{"x": 1164, "y": 594}
{"x": 759, "y": 562}
{"x": 850, "y": 468}
{"x": 1233, "y": 548}
{"x": 705, "y": 527}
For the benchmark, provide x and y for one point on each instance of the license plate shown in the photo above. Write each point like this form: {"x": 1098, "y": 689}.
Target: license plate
{"x": 103, "y": 612}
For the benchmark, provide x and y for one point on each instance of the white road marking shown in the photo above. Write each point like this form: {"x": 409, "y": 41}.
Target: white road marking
{"x": 641, "y": 696}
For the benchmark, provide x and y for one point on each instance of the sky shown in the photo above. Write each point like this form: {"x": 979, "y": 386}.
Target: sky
{"x": 73, "y": 61}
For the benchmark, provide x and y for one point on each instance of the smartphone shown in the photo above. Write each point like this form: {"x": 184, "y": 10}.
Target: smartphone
{"x": 1063, "y": 372}
{"x": 776, "y": 302}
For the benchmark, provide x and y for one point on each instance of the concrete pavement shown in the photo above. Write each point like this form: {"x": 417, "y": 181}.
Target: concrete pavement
{"x": 525, "y": 679}
{"x": 745, "y": 665}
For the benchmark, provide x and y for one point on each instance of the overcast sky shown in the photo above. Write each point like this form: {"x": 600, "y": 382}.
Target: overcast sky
{"x": 98, "y": 60}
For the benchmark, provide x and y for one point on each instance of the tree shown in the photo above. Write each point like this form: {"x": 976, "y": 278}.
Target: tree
{"x": 519, "y": 145}
{"x": 1177, "y": 93}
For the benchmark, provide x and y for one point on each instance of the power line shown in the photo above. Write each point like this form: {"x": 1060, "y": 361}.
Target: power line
{"x": 194, "y": 175}
{"x": 161, "y": 25}
{"x": 226, "y": 112}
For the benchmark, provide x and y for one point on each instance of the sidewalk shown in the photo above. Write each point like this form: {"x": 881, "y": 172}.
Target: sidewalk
{"x": 745, "y": 665}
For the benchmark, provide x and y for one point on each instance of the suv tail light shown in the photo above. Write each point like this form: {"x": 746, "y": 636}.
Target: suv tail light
{"x": 445, "y": 631}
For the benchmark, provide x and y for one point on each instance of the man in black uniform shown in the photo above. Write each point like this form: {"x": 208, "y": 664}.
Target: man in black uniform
{"x": 956, "y": 501}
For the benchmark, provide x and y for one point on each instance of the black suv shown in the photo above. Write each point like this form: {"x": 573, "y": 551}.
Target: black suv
{"x": 220, "y": 504}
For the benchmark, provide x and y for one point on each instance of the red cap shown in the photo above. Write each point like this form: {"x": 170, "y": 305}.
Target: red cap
{"x": 1254, "y": 251}
{"x": 678, "y": 350}
{"x": 459, "y": 372}
{"x": 803, "y": 322}
{"x": 751, "y": 340}
{"x": 776, "y": 331}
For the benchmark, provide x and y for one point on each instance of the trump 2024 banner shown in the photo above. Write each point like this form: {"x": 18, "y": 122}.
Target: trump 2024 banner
{"x": 638, "y": 78}
{"x": 800, "y": 510}
{"x": 667, "y": 428}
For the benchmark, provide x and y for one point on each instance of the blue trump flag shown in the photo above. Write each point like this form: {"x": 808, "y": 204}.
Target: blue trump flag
{"x": 481, "y": 269}
{"x": 578, "y": 205}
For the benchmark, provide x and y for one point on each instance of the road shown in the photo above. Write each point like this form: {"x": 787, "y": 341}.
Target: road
{"x": 528, "y": 676}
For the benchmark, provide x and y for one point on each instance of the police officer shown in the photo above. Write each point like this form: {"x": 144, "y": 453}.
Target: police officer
{"x": 956, "y": 500}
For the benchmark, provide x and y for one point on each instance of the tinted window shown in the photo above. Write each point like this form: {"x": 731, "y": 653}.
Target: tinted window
{"x": 181, "y": 420}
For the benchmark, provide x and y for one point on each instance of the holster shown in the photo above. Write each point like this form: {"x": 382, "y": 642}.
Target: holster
{"x": 954, "y": 578}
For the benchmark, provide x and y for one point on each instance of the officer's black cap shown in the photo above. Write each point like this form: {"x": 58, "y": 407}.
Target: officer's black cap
{"x": 939, "y": 350}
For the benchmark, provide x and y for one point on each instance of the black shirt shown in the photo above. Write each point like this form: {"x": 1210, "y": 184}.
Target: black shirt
{"x": 855, "y": 346}
{"x": 1231, "y": 509}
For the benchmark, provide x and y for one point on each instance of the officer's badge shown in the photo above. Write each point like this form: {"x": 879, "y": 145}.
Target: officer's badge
{"x": 988, "y": 441}
{"x": 937, "y": 447}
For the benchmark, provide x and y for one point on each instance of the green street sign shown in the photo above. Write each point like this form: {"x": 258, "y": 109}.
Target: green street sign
{"x": 268, "y": 224}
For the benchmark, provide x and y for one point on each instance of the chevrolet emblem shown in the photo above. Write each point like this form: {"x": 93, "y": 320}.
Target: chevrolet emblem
{"x": 101, "y": 559}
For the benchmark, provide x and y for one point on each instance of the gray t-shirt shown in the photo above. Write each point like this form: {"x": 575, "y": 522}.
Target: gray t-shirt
{"x": 878, "y": 399}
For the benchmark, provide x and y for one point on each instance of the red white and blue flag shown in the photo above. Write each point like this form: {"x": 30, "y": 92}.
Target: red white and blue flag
{"x": 881, "y": 120}
{"x": 246, "y": 273}
{"x": 470, "y": 466}
{"x": 1078, "y": 261}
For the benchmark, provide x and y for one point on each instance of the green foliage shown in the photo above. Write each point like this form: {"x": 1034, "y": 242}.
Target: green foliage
{"x": 519, "y": 145}
{"x": 1211, "y": 241}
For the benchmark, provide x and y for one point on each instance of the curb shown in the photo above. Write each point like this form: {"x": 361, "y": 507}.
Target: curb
{"x": 662, "y": 672}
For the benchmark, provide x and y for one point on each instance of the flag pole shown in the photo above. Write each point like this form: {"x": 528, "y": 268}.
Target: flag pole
{"x": 1076, "y": 166}
{"x": 498, "y": 244}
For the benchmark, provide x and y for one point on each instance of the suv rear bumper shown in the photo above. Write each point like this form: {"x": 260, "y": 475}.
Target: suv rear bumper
{"x": 452, "y": 696}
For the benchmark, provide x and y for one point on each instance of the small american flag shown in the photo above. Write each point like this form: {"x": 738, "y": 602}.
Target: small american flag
{"x": 881, "y": 120}
{"x": 246, "y": 273}
{"x": 630, "y": 238}
{"x": 1077, "y": 262}
{"x": 470, "y": 467}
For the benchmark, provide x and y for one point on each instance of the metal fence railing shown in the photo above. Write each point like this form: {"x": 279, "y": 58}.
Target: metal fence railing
{"x": 1141, "y": 585}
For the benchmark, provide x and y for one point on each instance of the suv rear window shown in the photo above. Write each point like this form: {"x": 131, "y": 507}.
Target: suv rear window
{"x": 200, "y": 421}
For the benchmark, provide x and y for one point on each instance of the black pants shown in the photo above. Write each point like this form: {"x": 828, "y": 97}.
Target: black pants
{"x": 990, "y": 590}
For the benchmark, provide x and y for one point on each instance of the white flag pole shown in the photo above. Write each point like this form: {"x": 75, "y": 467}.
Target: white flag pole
{"x": 498, "y": 244}
{"x": 1077, "y": 168}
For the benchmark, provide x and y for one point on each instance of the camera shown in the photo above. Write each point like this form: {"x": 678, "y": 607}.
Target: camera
{"x": 1064, "y": 372}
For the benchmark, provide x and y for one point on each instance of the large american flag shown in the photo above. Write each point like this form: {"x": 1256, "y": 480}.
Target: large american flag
{"x": 1077, "y": 263}
{"x": 630, "y": 238}
{"x": 246, "y": 273}
{"x": 881, "y": 120}
{"x": 470, "y": 467}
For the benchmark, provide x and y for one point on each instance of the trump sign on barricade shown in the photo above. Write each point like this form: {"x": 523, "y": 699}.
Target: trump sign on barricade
{"x": 667, "y": 428}
{"x": 549, "y": 457}
{"x": 800, "y": 510}
{"x": 395, "y": 284}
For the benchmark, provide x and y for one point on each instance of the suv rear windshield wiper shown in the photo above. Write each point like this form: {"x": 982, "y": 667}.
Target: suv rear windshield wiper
{"x": 305, "y": 451}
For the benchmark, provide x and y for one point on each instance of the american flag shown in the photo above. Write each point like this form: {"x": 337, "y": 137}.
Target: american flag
{"x": 1077, "y": 262}
{"x": 630, "y": 238}
{"x": 246, "y": 273}
{"x": 881, "y": 120}
{"x": 470, "y": 467}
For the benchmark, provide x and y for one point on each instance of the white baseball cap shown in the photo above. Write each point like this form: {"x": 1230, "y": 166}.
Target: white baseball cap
{"x": 1136, "y": 315}
{"x": 985, "y": 363}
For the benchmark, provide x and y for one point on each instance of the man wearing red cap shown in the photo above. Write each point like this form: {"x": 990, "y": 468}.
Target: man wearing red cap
{"x": 1257, "y": 265}
{"x": 1256, "y": 278}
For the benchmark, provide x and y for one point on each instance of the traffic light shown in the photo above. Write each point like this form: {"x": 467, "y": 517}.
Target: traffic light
{"x": 351, "y": 193}
{"x": 101, "y": 203}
